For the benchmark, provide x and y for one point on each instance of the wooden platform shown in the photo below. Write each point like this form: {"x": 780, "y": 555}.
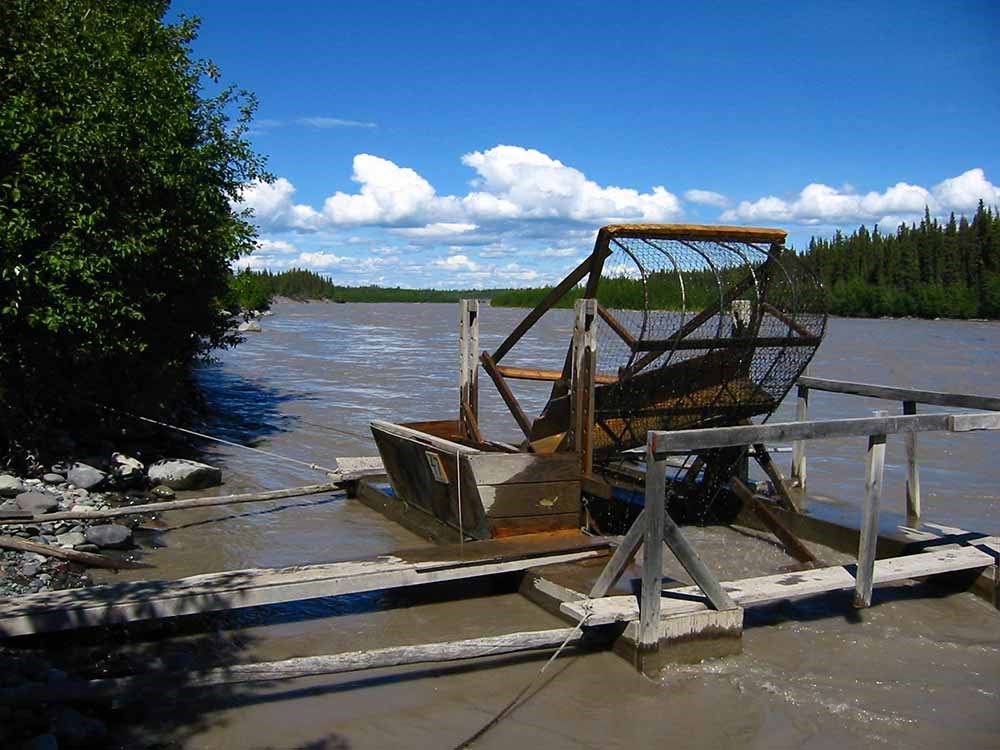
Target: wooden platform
{"x": 146, "y": 600}
{"x": 766, "y": 589}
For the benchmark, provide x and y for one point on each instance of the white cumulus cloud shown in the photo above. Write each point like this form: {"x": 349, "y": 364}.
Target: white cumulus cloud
{"x": 389, "y": 195}
{"x": 706, "y": 197}
{"x": 516, "y": 182}
{"x": 821, "y": 204}
{"x": 273, "y": 207}
{"x": 455, "y": 263}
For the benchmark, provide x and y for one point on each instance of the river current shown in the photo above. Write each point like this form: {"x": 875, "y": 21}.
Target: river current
{"x": 917, "y": 669}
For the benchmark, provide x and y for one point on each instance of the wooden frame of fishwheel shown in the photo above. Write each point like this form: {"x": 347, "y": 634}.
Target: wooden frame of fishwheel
{"x": 559, "y": 429}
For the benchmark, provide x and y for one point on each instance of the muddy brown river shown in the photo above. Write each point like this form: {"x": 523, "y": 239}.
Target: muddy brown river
{"x": 919, "y": 669}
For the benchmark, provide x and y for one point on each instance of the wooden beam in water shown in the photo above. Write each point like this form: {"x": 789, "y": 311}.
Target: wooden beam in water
{"x": 793, "y": 545}
{"x": 146, "y": 600}
{"x": 128, "y": 689}
{"x": 766, "y": 589}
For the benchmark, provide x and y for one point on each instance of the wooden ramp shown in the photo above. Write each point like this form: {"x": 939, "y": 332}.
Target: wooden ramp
{"x": 146, "y": 600}
{"x": 762, "y": 590}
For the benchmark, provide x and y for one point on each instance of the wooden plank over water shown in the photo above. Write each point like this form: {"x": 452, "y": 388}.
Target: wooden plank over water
{"x": 145, "y": 600}
{"x": 764, "y": 589}
{"x": 892, "y": 393}
{"x": 722, "y": 437}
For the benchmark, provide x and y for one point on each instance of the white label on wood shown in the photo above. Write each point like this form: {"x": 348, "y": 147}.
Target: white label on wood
{"x": 437, "y": 467}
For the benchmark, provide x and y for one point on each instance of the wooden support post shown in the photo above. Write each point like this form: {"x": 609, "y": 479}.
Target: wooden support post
{"x": 793, "y": 545}
{"x": 652, "y": 564}
{"x": 763, "y": 458}
{"x": 506, "y": 394}
{"x": 874, "y": 471}
{"x": 583, "y": 373}
{"x": 696, "y": 568}
{"x": 621, "y": 558}
{"x": 799, "y": 446}
{"x": 912, "y": 470}
{"x": 468, "y": 367}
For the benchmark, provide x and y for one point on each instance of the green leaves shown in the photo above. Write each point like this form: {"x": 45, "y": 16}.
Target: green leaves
{"x": 116, "y": 175}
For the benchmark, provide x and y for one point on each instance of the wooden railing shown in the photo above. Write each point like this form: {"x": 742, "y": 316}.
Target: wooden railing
{"x": 876, "y": 428}
{"x": 909, "y": 398}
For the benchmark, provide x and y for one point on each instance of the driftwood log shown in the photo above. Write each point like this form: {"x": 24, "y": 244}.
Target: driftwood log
{"x": 84, "y": 558}
{"x": 130, "y": 688}
{"x": 193, "y": 502}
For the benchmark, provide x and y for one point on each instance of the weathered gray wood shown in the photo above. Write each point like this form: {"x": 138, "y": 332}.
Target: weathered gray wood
{"x": 892, "y": 393}
{"x": 765, "y": 589}
{"x": 874, "y": 472}
{"x": 146, "y": 600}
{"x": 89, "y": 559}
{"x": 533, "y": 499}
{"x": 652, "y": 552}
{"x": 168, "y": 505}
{"x": 522, "y": 468}
{"x": 693, "y": 564}
{"x": 973, "y": 422}
{"x": 126, "y": 689}
{"x": 912, "y": 468}
{"x": 433, "y": 441}
{"x": 799, "y": 446}
{"x": 721, "y": 437}
{"x": 621, "y": 558}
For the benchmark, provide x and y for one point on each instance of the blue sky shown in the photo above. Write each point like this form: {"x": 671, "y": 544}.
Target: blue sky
{"x": 475, "y": 144}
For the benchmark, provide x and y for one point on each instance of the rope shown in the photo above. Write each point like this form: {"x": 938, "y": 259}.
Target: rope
{"x": 339, "y": 430}
{"x": 314, "y": 467}
{"x": 517, "y": 701}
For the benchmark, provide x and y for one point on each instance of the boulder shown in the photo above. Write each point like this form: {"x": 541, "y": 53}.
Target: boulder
{"x": 37, "y": 502}
{"x": 126, "y": 468}
{"x": 249, "y": 326}
{"x": 181, "y": 474}
{"x": 10, "y": 486}
{"x": 53, "y": 478}
{"x": 163, "y": 492}
{"x": 85, "y": 476}
{"x": 71, "y": 539}
{"x": 110, "y": 536}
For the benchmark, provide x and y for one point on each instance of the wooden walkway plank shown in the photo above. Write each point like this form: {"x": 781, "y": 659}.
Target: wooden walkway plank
{"x": 772, "y": 588}
{"x": 143, "y": 600}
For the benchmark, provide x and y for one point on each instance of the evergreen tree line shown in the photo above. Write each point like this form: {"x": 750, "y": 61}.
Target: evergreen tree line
{"x": 928, "y": 270}
{"x": 254, "y": 290}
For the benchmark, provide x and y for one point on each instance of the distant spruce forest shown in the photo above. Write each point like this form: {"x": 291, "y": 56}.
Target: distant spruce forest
{"x": 926, "y": 270}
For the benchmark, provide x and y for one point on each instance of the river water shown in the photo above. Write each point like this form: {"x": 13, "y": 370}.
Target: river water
{"x": 917, "y": 669}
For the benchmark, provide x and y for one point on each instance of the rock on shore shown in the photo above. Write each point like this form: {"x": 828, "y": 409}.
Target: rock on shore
{"x": 181, "y": 474}
{"x": 82, "y": 487}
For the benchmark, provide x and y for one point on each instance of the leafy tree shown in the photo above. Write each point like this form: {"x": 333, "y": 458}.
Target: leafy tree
{"x": 118, "y": 173}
